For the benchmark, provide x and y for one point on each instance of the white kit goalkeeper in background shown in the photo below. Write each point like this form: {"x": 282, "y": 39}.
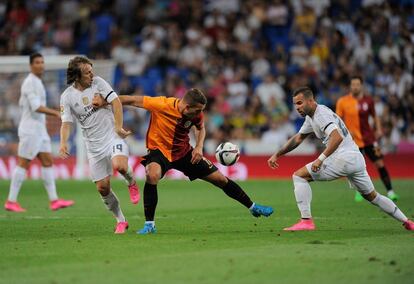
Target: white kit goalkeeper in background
{"x": 102, "y": 132}
{"x": 341, "y": 158}
{"x": 34, "y": 141}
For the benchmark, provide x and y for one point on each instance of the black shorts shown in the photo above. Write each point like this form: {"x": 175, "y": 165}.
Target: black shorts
{"x": 373, "y": 152}
{"x": 184, "y": 165}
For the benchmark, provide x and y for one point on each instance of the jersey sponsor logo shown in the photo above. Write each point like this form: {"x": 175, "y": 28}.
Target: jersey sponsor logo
{"x": 187, "y": 124}
{"x": 89, "y": 111}
{"x": 85, "y": 100}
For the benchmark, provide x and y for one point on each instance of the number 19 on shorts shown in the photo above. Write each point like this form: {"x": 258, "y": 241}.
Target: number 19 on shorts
{"x": 116, "y": 149}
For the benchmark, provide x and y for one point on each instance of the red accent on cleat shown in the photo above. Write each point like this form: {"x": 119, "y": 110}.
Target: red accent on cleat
{"x": 121, "y": 227}
{"x": 302, "y": 225}
{"x": 409, "y": 225}
{"x": 60, "y": 203}
{"x": 134, "y": 193}
{"x": 13, "y": 206}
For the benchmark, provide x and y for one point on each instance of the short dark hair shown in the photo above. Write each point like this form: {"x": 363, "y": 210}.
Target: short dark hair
{"x": 306, "y": 91}
{"x": 73, "y": 72}
{"x": 33, "y": 56}
{"x": 356, "y": 77}
{"x": 195, "y": 96}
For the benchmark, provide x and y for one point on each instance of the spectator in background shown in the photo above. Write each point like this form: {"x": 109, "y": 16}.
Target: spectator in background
{"x": 268, "y": 89}
{"x": 206, "y": 43}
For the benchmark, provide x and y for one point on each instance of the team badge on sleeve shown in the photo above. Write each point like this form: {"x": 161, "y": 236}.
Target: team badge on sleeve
{"x": 62, "y": 109}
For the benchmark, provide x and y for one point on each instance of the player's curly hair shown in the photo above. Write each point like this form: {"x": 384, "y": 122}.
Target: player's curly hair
{"x": 195, "y": 96}
{"x": 73, "y": 71}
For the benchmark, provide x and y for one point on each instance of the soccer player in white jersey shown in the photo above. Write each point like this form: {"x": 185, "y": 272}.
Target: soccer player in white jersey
{"x": 102, "y": 131}
{"x": 341, "y": 158}
{"x": 34, "y": 141}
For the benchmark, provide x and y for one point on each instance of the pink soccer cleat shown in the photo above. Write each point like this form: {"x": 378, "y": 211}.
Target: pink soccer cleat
{"x": 409, "y": 225}
{"x": 134, "y": 193}
{"x": 121, "y": 227}
{"x": 13, "y": 206}
{"x": 60, "y": 203}
{"x": 302, "y": 225}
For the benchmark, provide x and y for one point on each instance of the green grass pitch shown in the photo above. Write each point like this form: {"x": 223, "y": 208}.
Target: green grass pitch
{"x": 205, "y": 237}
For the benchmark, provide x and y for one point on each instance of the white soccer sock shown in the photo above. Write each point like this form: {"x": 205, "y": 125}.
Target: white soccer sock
{"x": 19, "y": 175}
{"x": 152, "y": 223}
{"x": 48, "y": 177}
{"x": 390, "y": 192}
{"x": 129, "y": 176}
{"x": 112, "y": 203}
{"x": 389, "y": 207}
{"x": 303, "y": 195}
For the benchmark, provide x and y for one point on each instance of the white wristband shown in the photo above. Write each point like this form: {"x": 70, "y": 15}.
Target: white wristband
{"x": 322, "y": 157}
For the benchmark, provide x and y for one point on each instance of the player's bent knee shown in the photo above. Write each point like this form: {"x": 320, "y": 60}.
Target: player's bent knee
{"x": 47, "y": 164}
{"x": 370, "y": 196}
{"x": 103, "y": 187}
{"x": 152, "y": 177}
{"x": 23, "y": 163}
{"x": 302, "y": 173}
{"x": 379, "y": 163}
{"x": 120, "y": 168}
{"x": 297, "y": 178}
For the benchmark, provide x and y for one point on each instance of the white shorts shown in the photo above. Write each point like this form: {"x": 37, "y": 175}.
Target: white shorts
{"x": 101, "y": 167}
{"x": 348, "y": 164}
{"x": 31, "y": 145}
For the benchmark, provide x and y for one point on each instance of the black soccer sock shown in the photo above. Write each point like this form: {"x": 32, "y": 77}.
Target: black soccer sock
{"x": 385, "y": 177}
{"x": 150, "y": 201}
{"x": 234, "y": 191}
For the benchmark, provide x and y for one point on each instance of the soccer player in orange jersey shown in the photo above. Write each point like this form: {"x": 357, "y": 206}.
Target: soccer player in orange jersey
{"x": 355, "y": 109}
{"x": 168, "y": 144}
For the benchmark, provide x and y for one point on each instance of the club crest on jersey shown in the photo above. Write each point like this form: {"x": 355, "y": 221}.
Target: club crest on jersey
{"x": 85, "y": 101}
{"x": 187, "y": 124}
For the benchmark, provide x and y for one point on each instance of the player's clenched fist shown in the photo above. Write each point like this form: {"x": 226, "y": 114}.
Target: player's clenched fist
{"x": 196, "y": 155}
{"x": 122, "y": 132}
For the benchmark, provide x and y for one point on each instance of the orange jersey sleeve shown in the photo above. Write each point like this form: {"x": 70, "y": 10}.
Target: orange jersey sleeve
{"x": 154, "y": 103}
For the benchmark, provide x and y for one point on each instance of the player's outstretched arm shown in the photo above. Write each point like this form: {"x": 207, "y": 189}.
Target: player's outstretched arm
{"x": 118, "y": 117}
{"x": 48, "y": 111}
{"x": 136, "y": 101}
{"x": 65, "y": 129}
{"x": 291, "y": 144}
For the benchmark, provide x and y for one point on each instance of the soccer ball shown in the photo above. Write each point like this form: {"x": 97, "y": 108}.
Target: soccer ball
{"x": 227, "y": 153}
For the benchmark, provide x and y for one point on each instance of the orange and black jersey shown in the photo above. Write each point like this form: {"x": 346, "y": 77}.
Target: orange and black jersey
{"x": 355, "y": 113}
{"x": 169, "y": 130}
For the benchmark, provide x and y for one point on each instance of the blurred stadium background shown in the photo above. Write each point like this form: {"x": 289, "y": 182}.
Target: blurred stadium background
{"x": 246, "y": 55}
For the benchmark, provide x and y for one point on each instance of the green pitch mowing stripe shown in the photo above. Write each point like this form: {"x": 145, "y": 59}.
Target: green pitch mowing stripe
{"x": 205, "y": 237}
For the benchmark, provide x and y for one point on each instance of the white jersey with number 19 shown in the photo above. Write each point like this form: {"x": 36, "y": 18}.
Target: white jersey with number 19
{"x": 97, "y": 124}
